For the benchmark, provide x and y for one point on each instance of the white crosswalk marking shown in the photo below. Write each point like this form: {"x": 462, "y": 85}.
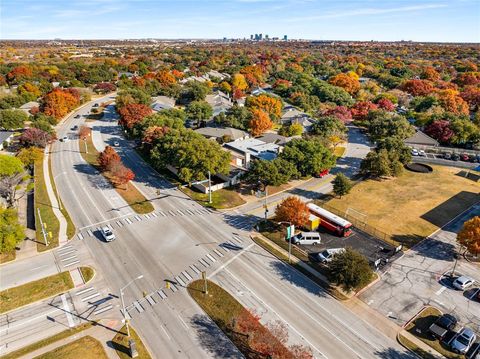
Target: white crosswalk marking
{"x": 195, "y": 269}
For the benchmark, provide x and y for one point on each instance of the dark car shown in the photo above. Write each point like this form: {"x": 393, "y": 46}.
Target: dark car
{"x": 455, "y": 157}
{"x": 77, "y": 116}
{"x": 74, "y": 128}
{"x": 442, "y": 326}
{"x": 474, "y": 352}
{"x": 447, "y": 156}
{"x": 464, "y": 157}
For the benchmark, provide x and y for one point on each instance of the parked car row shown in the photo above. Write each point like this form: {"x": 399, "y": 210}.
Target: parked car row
{"x": 462, "y": 342}
{"x": 461, "y": 157}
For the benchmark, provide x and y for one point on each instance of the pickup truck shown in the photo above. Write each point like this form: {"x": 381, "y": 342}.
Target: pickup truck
{"x": 442, "y": 326}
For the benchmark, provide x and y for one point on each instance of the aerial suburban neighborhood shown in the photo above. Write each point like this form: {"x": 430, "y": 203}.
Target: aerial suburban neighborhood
{"x": 187, "y": 187}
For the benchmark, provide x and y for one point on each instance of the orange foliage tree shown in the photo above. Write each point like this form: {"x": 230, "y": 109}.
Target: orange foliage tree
{"x": 108, "y": 158}
{"x": 417, "y": 87}
{"x": 153, "y": 133}
{"x": 361, "y": 109}
{"x": 348, "y": 82}
{"x": 166, "y": 78}
{"x": 260, "y": 122}
{"x": 451, "y": 102}
{"x": 268, "y": 104}
{"x": 469, "y": 236}
{"x": 429, "y": 73}
{"x": 58, "y": 102}
{"x": 292, "y": 210}
{"x": 30, "y": 88}
{"x": 132, "y": 114}
{"x": 19, "y": 73}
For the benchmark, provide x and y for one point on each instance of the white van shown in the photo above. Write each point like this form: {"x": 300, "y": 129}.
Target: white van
{"x": 307, "y": 238}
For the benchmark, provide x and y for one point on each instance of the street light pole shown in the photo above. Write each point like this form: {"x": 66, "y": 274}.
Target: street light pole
{"x": 209, "y": 188}
{"x": 123, "y": 302}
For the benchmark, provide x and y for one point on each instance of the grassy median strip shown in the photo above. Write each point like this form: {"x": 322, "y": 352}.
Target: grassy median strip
{"x": 419, "y": 328}
{"x": 70, "y": 226}
{"x": 31, "y": 292}
{"x": 221, "y": 199}
{"x": 83, "y": 348}
{"x": 43, "y": 343}
{"x": 129, "y": 193}
{"x": 120, "y": 344}
{"x": 414, "y": 348}
{"x": 42, "y": 202}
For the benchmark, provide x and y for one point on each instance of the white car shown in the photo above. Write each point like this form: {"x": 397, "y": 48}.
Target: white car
{"x": 65, "y": 138}
{"x": 414, "y": 152}
{"x": 116, "y": 144}
{"x": 107, "y": 234}
{"x": 328, "y": 254}
{"x": 463, "y": 282}
{"x": 422, "y": 153}
{"x": 463, "y": 340}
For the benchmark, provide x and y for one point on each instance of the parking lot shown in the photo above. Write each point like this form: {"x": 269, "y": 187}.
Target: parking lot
{"x": 369, "y": 246}
{"x": 421, "y": 278}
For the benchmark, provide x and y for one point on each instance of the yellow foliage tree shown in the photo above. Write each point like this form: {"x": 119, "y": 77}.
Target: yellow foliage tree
{"x": 239, "y": 82}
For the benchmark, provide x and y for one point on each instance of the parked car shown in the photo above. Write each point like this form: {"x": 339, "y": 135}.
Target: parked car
{"x": 107, "y": 234}
{"x": 447, "y": 156}
{"x": 95, "y": 105}
{"x": 474, "y": 352}
{"x": 64, "y": 139}
{"x": 464, "y": 157}
{"x": 307, "y": 238}
{"x": 442, "y": 325}
{"x": 463, "y": 282}
{"x": 325, "y": 256}
{"x": 77, "y": 116}
{"x": 422, "y": 153}
{"x": 463, "y": 340}
{"x": 475, "y": 158}
{"x": 116, "y": 144}
{"x": 74, "y": 128}
{"x": 455, "y": 156}
{"x": 414, "y": 152}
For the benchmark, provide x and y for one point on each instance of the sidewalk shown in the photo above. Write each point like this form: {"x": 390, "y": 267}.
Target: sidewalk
{"x": 62, "y": 232}
{"x": 100, "y": 333}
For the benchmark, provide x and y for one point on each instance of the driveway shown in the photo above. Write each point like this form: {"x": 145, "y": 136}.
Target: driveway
{"x": 416, "y": 279}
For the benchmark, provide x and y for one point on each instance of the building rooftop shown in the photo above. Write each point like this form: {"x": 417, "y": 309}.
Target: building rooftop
{"x": 219, "y": 132}
{"x": 420, "y": 138}
{"x": 256, "y": 148}
{"x": 5, "y": 135}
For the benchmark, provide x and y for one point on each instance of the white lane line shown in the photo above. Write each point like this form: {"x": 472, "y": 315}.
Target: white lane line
{"x": 163, "y": 214}
{"x": 147, "y": 215}
{"x": 150, "y": 299}
{"x": 474, "y": 293}
{"x": 90, "y": 233}
{"x": 154, "y": 214}
{"x": 83, "y": 291}
{"x": 110, "y": 226}
{"x": 125, "y": 315}
{"x": 189, "y": 211}
{"x": 218, "y": 253}
{"x": 211, "y": 258}
{"x": 173, "y": 287}
{"x": 440, "y": 291}
{"x": 71, "y": 263}
{"x": 186, "y": 275}
{"x": 168, "y": 336}
{"x": 172, "y": 213}
{"x": 104, "y": 309}
{"x": 230, "y": 260}
{"x": 68, "y": 258}
{"x": 138, "y": 306}
{"x": 67, "y": 311}
{"x": 36, "y": 268}
{"x": 180, "y": 281}
{"x": 90, "y": 297}
{"x": 22, "y": 323}
{"x": 195, "y": 269}
{"x": 204, "y": 262}
{"x": 181, "y": 213}
{"x": 185, "y": 324}
{"x": 107, "y": 220}
{"x": 64, "y": 248}
{"x": 138, "y": 218}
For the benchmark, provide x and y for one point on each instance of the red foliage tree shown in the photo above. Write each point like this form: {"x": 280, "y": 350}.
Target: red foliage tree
{"x": 440, "y": 130}
{"x": 59, "y": 102}
{"x": 35, "y": 137}
{"x": 301, "y": 352}
{"x": 468, "y": 78}
{"x": 260, "y": 122}
{"x": 417, "y": 87}
{"x": 292, "y": 210}
{"x": 104, "y": 87}
{"x": 19, "y": 73}
{"x": 121, "y": 174}
{"x": 385, "y": 104}
{"x": 108, "y": 158}
{"x": 361, "y": 109}
{"x": 238, "y": 94}
{"x": 471, "y": 95}
{"x": 340, "y": 112}
{"x": 132, "y": 114}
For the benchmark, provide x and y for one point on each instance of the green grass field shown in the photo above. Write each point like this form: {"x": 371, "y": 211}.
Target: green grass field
{"x": 83, "y": 348}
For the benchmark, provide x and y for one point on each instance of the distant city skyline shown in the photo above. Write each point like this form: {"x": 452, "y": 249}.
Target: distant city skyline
{"x": 357, "y": 20}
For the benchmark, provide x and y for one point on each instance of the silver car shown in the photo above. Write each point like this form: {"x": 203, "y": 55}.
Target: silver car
{"x": 463, "y": 282}
{"x": 107, "y": 234}
{"x": 463, "y": 340}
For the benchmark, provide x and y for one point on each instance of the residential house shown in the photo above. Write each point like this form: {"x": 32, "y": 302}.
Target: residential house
{"x": 28, "y": 106}
{"x": 5, "y": 138}
{"x": 219, "y": 134}
{"x": 162, "y": 103}
{"x": 292, "y": 115}
{"x": 219, "y": 101}
{"x": 243, "y": 151}
{"x": 275, "y": 138}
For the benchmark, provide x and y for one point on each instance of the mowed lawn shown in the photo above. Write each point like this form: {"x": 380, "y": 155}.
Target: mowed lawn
{"x": 414, "y": 204}
{"x": 83, "y": 348}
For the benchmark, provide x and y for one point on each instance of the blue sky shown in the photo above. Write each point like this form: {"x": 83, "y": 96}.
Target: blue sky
{"x": 422, "y": 20}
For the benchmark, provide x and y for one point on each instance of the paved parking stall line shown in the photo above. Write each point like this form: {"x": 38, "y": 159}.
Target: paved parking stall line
{"x": 172, "y": 213}
{"x": 90, "y": 233}
{"x": 154, "y": 214}
{"x": 138, "y": 218}
{"x": 147, "y": 216}
{"x": 173, "y": 287}
{"x": 163, "y": 214}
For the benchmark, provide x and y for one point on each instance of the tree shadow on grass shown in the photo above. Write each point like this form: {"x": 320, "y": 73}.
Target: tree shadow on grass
{"x": 212, "y": 339}
{"x": 289, "y": 274}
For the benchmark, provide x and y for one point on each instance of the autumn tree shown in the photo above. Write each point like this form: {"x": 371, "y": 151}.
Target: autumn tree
{"x": 35, "y": 137}
{"x": 268, "y": 104}
{"x": 341, "y": 112}
{"x": 153, "y": 133}
{"x": 469, "y": 236}
{"x": 84, "y": 131}
{"x": 11, "y": 172}
{"x": 451, "y": 102}
{"x": 239, "y": 82}
{"x": 59, "y": 102}
{"x": 429, "y": 73}
{"x": 260, "y": 122}
{"x": 27, "y": 88}
{"x": 19, "y": 73}
{"x": 417, "y": 87}
{"x": 132, "y": 114}
{"x": 165, "y": 78}
{"x": 104, "y": 87}
{"x": 349, "y": 82}
{"x": 121, "y": 174}
{"x": 30, "y": 155}
{"x": 108, "y": 158}
{"x": 361, "y": 109}
{"x": 440, "y": 130}
{"x": 292, "y": 210}
{"x": 385, "y": 104}
{"x": 471, "y": 95}
{"x": 11, "y": 231}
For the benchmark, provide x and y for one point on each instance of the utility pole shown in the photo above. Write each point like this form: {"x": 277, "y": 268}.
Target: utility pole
{"x": 265, "y": 205}
{"x": 43, "y": 227}
{"x": 209, "y": 188}
{"x": 204, "y": 277}
{"x": 85, "y": 142}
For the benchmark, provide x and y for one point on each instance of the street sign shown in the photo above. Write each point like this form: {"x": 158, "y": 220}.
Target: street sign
{"x": 290, "y": 231}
